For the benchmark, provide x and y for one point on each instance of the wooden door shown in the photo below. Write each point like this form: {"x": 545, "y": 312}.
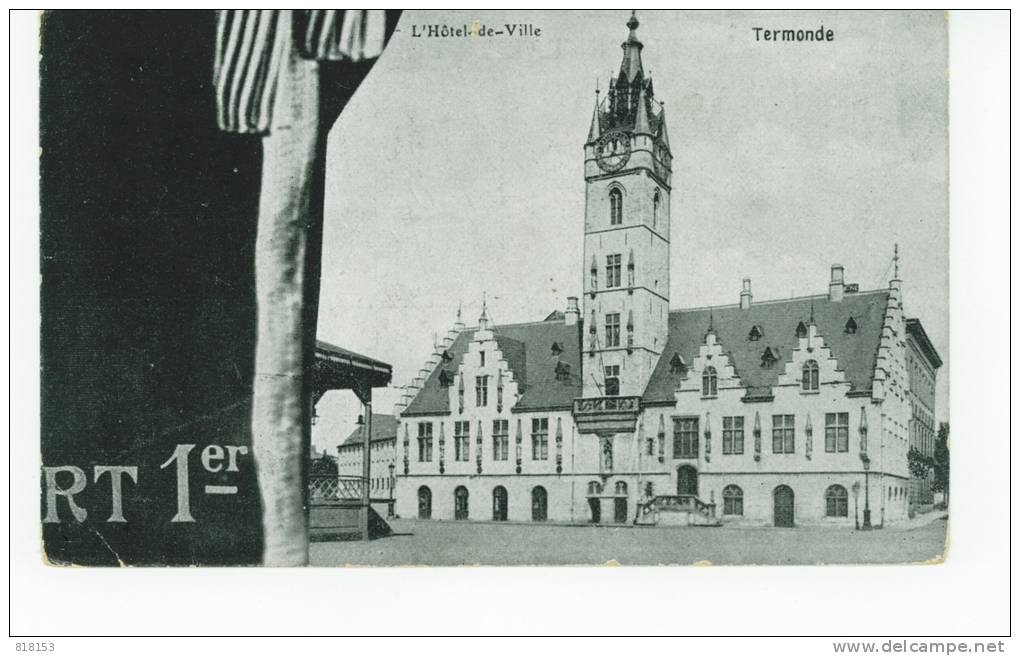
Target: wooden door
{"x": 687, "y": 480}
{"x": 499, "y": 503}
{"x": 539, "y": 504}
{"x": 460, "y": 503}
{"x": 782, "y": 501}
{"x": 620, "y": 510}
{"x": 424, "y": 503}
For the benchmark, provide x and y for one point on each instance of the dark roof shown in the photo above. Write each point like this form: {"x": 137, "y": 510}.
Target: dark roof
{"x": 527, "y": 348}
{"x": 916, "y": 330}
{"x": 338, "y": 368}
{"x": 778, "y": 321}
{"x": 384, "y": 427}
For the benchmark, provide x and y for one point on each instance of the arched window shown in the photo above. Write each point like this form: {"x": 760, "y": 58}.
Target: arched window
{"x": 801, "y": 330}
{"x": 621, "y": 487}
{"x": 836, "y": 501}
{"x": 809, "y": 381}
{"x": 656, "y": 202}
{"x": 709, "y": 382}
{"x": 649, "y": 489}
{"x": 460, "y": 503}
{"x": 733, "y": 500}
{"x": 594, "y": 487}
{"x": 615, "y": 206}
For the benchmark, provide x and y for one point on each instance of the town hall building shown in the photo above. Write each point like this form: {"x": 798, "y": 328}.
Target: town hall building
{"x": 622, "y": 410}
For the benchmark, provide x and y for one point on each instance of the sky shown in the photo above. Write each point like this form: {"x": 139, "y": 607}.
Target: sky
{"x": 457, "y": 171}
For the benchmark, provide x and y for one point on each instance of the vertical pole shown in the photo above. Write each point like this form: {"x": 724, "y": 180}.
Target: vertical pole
{"x": 287, "y": 249}
{"x": 366, "y": 464}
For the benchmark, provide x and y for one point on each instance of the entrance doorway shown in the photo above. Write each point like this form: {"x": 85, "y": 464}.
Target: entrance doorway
{"x": 460, "y": 503}
{"x": 596, "y": 510}
{"x": 539, "y": 504}
{"x": 782, "y": 502}
{"x": 499, "y": 504}
{"x": 424, "y": 503}
{"x": 687, "y": 480}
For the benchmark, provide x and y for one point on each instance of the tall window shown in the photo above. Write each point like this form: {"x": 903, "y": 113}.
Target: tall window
{"x": 540, "y": 439}
{"x": 782, "y": 434}
{"x": 461, "y": 440}
{"x": 656, "y": 202}
{"x": 481, "y": 391}
{"x": 500, "y": 439}
{"x": 809, "y": 380}
{"x": 837, "y": 432}
{"x": 613, "y": 270}
{"x": 836, "y": 501}
{"x": 425, "y": 442}
{"x": 733, "y": 500}
{"x": 481, "y": 358}
{"x": 612, "y": 380}
{"x": 732, "y": 436}
{"x": 685, "y": 437}
{"x": 709, "y": 382}
{"x": 613, "y": 329}
{"x": 615, "y": 207}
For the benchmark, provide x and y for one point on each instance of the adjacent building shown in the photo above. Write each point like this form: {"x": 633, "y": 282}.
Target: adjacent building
{"x": 621, "y": 409}
{"x": 383, "y": 450}
{"x": 923, "y": 363}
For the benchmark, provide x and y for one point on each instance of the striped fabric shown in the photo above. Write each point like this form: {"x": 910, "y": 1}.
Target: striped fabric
{"x": 252, "y": 46}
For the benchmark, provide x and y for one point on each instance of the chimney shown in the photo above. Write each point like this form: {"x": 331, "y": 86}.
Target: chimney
{"x": 572, "y": 314}
{"x": 745, "y": 295}
{"x": 836, "y": 283}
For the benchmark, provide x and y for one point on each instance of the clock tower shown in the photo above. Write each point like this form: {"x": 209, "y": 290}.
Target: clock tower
{"x": 627, "y": 170}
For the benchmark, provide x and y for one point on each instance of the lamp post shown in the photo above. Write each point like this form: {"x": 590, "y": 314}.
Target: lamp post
{"x": 389, "y": 510}
{"x": 856, "y": 487}
{"x": 866, "y": 462}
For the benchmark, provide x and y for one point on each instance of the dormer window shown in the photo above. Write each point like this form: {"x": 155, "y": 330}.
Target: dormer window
{"x": 445, "y": 379}
{"x": 677, "y": 365}
{"x": 755, "y": 333}
{"x": 446, "y": 356}
{"x": 809, "y": 378}
{"x": 851, "y": 326}
{"x": 801, "y": 330}
{"x": 562, "y": 371}
{"x": 556, "y": 348}
{"x": 768, "y": 358}
{"x": 709, "y": 382}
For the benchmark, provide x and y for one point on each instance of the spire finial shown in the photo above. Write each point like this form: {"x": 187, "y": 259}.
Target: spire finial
{"x": 483, "y": 321}
{"x": 458, "y": 310}
{"x": 633, "y": 22}
{"x": 711, "y": 321}
{"x": 896, "y": 261}
{"x": 812, "y": 319}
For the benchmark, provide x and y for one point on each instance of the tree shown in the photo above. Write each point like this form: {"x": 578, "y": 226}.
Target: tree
{"x": 941, "y": 482}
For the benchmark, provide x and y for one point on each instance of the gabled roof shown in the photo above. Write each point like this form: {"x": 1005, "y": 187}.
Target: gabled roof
{"x": 384, "y": 427}
{"x": 778, "y": 321}
{"x": 526, "y": 348}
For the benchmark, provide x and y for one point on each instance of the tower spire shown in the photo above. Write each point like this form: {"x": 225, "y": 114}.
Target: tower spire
{"x": 641, "y": 123}
{"x": 595, "y": 131}
{"x": 630, "y": 67}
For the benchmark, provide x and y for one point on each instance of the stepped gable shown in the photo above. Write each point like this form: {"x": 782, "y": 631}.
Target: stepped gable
{"x": 855, "y": 353}
{"x": 526, "y": 347}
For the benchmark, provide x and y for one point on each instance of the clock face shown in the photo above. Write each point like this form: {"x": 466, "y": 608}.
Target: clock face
{"x": 612, "y": 151}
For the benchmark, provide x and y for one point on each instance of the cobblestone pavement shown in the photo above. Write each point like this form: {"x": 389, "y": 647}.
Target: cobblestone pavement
{"x": 467, "y": 543}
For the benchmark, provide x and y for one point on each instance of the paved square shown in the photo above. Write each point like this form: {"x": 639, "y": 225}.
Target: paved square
{"x": 469, "y": 543}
